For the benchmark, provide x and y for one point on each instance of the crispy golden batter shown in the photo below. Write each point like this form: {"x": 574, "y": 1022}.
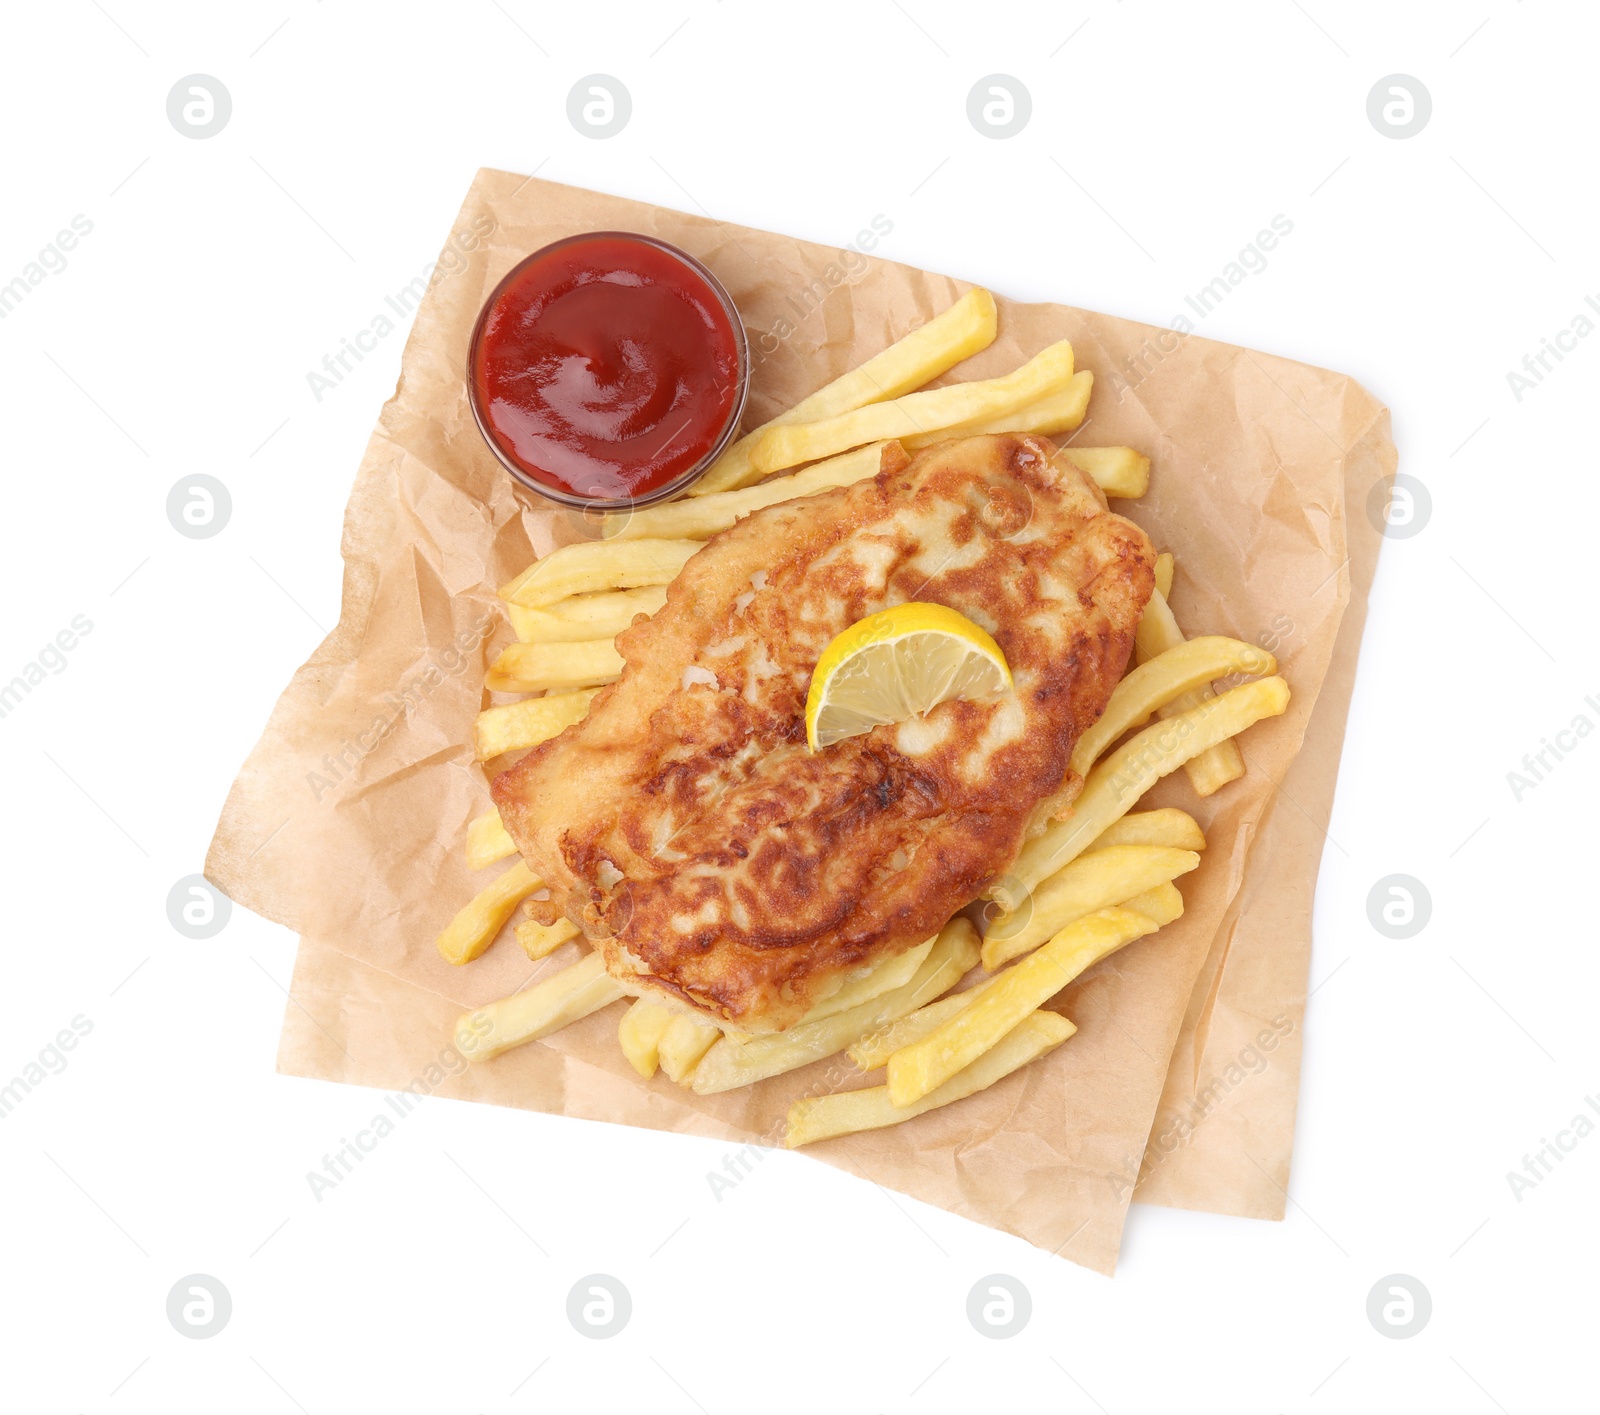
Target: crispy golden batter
{"x": 686, "y": 829}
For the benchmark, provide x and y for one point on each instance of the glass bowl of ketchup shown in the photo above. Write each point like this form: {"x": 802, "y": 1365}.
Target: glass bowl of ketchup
{"x": 608, "y": 370}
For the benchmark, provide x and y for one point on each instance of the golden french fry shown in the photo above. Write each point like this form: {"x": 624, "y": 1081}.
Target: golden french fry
{"x": 926, "y": 1065}
{"x": 476, "y": 926}
{"x": 949, "y": 410}
{"x": 731, "y": 1064}
{"x": 541, "y": 940}
{"x": 1215, "y": 769}
{"x": 1167, "y": 826}
{"x": 1097, "y": 879}
{"x": 813, "y": 1118}
{"x": 535, "y": 1012}
{"x": 640, "y": 1032}
{"x": 487, "y": 841}
{"x": 885, "y": 976}
{"x": 1163, "y": 679}
{"x": 698, "y": 518}
{"x": 586, "y": 616}
{"x": 940, "y": 344}
{"x": 682, "y": 1045}
{"x": 875, "y": 1049}
{"x": 512, "y": 726}
{"x": 527, "y": 668}
{"x": 1118, "y": 471}
{"x": 1158, "y": 632}
{"x": 1164, "y": 569}
{"x": 1060, "y": 410}
{"x": 1122, "y": 778}
{"x": 592, "y": 565}
{"x": 1160, "y": 905}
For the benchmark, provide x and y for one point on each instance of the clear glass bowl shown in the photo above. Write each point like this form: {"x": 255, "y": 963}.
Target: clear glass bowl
{"x": 684, "y": 479}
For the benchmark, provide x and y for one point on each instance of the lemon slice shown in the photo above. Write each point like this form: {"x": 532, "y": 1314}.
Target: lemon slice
{"x": 898, "y": 663}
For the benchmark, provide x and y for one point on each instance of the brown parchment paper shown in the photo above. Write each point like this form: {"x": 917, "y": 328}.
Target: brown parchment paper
{"x": 347, "y": 821}
{"x": 1224, "y": 1130}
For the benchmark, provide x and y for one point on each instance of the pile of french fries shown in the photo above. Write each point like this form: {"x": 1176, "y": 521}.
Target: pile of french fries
{"x": 962, "y": 1010}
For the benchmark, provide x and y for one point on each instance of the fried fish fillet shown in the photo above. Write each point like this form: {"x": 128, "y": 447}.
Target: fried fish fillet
{"x": 686, "y": 829}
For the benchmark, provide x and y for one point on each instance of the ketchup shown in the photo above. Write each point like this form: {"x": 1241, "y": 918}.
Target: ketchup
{"x": 607, "y": 367}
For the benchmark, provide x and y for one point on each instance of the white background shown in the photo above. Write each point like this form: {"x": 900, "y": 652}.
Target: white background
{"x": 177, "y": 340}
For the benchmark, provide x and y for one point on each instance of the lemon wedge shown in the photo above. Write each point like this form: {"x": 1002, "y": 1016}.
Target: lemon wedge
{"x": 898, "y": 663}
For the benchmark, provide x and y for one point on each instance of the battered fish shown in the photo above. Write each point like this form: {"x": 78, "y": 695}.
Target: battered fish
{"x": 686, "y": 829}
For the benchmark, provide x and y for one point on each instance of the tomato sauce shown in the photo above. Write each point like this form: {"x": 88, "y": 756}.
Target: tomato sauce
{"x": 607, "y": 367}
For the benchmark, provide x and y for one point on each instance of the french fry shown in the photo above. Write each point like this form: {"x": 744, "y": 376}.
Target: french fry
{"x": 701, "y": 517}
{"x": 936, "y": 410}
{"x": 682, "y": 1045}
{"x": 813, "y": 1118}
{"x": 886, "y": 976}
{"x": 477, "y": 925}
{"x": 924, "y": 1066}
{"x": 731, "y": 1064}
{"x": 593, "y": 565}
{"x": 1158, "y": 632}
{"x": 541, "y": 940}
{"x": 512, "y": 726}
{"x": 1164, "y": 569}
{"x": 640, "y": 1032}
{"x": 1163, "y": 679}
{"x": 528, "y": 668}
{"x": 1097, "y": 879}
{"x": 1160, "y": 905}
{"x": 875, "y": 1049}
{"x": 1120, "y": 779}
{"x": 535, "y": 1012}
{"x": 1168, "y": 826}
{"x": 1112, "y": 467}
{"x": 487, "y": 841}
{"x": 586, "y": 616}
{"x": 940, "y": 344}
{"x": 1058, "y": 411}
